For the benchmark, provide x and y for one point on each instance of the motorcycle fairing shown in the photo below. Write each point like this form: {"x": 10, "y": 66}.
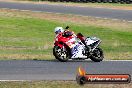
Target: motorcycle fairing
{"x": 91, "y": 40}
{"x": 77, "y": 51}
{"x": 60, "y": 40}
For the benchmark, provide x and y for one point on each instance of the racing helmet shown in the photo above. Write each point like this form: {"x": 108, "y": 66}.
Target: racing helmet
{"x": 58, "y": 30}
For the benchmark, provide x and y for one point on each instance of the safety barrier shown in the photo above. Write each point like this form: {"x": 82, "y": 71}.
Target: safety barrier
{"x": 99, "y": 1}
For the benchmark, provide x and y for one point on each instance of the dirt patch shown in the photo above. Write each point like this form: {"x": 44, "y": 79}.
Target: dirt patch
{"x": 26, "y": 56}
{"x": 119, "y": 25}
{"x": 123, "y": 25}
{"x": 59, "y": 84}
{"x": 121, "y": 56}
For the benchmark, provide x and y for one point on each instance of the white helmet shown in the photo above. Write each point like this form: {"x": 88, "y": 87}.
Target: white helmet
{"x": 58, "y": 30}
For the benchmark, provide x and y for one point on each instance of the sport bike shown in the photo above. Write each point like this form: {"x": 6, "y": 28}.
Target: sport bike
{"x": 69, "y": 47}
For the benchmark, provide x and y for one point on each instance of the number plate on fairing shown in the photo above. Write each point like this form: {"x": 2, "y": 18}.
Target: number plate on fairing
{"x": 77, "y": 51}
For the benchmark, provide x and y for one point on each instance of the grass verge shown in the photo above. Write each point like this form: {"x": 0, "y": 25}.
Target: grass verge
{"x": 59, "y": 84}
{"x": 30, "y": 35}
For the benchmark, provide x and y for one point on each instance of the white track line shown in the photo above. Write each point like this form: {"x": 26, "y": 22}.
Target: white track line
{"x": 108, "y": 60}
{"x": 117, "y": 60}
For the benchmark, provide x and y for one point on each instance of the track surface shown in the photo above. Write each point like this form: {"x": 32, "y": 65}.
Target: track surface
{"x": 85, "y": 11}
{"x": 54, "y": 70}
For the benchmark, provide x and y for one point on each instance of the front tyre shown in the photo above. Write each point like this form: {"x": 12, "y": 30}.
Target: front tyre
{"x": 61, "y": 54}
{"x": 97, "y": 55}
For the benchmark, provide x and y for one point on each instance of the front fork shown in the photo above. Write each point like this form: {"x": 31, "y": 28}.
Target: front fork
{"x": 91, "y": 50}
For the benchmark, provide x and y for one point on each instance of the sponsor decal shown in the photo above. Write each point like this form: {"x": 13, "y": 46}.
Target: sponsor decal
{"x": 83, "y": 78}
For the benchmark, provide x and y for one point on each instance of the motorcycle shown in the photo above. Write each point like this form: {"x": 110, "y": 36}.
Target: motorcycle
{"x": 69, "y": 47}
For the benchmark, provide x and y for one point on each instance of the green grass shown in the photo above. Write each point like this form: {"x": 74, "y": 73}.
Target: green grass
{"x": 32, "y": 38}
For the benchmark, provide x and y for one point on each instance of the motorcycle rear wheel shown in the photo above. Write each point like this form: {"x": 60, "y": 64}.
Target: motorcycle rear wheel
{"x": 97, "y": 55}
{"x": 61, "y": 55}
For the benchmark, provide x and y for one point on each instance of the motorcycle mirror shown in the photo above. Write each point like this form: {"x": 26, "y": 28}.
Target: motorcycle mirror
{"x": 67, "y": 27}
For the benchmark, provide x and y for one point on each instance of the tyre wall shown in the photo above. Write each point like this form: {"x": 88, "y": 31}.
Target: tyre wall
{"x": 96, "y": 1}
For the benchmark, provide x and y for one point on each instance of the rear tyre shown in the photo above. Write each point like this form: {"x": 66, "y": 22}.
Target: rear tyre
{"x": 61, "y": 55}
{"x": 97, "y": 55}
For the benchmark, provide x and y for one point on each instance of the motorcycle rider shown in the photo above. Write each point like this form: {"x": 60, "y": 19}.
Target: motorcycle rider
{"x": 59, "y": 30}
{"x": 65, "y": 32}
{"x": 68, "y": 33}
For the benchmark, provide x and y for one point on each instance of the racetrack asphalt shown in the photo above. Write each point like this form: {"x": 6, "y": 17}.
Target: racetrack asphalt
{"x": 84, "y": 11}
{"x": 55, "y": 70}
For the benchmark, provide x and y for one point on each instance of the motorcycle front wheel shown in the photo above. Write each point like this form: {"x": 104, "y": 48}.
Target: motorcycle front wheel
{"x": 61, "y": 54}
{"x": 97, "y": 55}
